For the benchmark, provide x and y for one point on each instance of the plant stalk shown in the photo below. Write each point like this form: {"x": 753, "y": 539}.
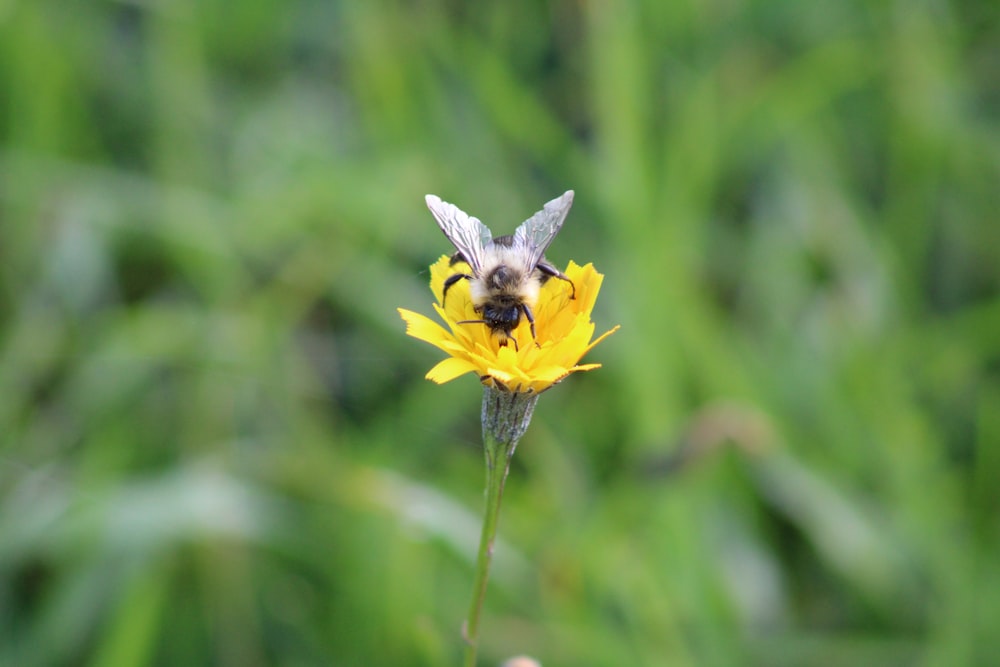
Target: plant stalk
{"x": 505, "y": 418}
{"x": 497, "y": 467}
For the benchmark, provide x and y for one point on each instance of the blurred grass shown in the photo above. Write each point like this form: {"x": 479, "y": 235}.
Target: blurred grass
{"x": 217, "y": 445}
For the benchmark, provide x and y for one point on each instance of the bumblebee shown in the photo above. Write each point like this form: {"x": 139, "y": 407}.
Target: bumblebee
{"x": 507, "y": 271}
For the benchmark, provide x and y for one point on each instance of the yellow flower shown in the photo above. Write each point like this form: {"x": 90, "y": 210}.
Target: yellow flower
{"x": 562, "y": 325}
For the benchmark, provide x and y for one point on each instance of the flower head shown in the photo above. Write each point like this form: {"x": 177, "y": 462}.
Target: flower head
{"x": 563, "y": 333}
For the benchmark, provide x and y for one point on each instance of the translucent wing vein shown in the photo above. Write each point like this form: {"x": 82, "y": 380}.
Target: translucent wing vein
{"x": 536, "y": 233}
{"x": 469, "y": 236}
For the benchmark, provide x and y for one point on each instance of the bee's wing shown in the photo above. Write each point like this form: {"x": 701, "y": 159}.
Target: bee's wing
{"x": 467, "y": 234}
{"x": 536, "y": 233}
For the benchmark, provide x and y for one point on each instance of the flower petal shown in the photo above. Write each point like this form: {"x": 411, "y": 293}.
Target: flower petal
{"x": 603, "y": 336}
{"x": 585, "y": 367}
{"x": 425, "y": 329}
{"x": 449, "y": 369}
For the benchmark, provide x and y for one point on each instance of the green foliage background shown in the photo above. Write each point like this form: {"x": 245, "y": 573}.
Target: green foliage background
{"x": 218, "y": 447}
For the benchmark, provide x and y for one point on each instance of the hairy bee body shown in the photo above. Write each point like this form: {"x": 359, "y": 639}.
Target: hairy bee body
{"x": 499, "y": 294}
{"x": 507, "y": 271}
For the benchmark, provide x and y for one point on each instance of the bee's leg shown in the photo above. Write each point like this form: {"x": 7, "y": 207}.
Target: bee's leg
{"x": 550, "y": 271}
{"x": 531, "y": 320}
{"x": 451, "y": 280}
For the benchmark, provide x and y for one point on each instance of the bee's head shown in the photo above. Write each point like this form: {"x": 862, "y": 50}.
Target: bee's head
{"x": 502, "y": 316}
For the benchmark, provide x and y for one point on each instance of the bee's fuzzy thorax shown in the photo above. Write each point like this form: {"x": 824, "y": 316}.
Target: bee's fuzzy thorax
{"x": 497, "y": 255}
{"x": 526, "y": 291}
{"x": 502, "y": 276}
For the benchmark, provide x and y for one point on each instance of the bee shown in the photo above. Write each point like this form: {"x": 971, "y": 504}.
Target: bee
{"x": 507, "y": 271}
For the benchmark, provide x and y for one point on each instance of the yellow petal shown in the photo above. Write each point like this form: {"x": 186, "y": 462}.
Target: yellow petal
{"x": 449, "y": 369}
{"x": 550, "y": 374}
{"x": 503, "y": 376}
{"x": 603, "y": 336}
{"x": 423, "y": 328}
{"x": 586, "y": 367}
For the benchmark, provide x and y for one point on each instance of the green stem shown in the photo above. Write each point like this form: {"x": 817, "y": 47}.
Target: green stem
{"x": 506, "y": 415}
{"x": 498, "y": 455}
